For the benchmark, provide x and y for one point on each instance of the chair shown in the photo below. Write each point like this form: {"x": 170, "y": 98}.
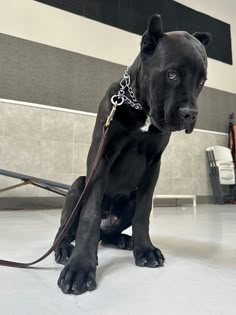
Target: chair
{"x": 222, "y": 173}
{"x": 55, "y": 187}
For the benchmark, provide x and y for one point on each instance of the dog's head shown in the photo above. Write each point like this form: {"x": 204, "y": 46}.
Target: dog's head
{"x": 173, "y": 71}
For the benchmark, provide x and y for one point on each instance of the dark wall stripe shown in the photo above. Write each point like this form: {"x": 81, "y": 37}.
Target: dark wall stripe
{"x": 132, "y": 16}
{"x": 38, "y": 73}
{"x": 194, "y": 21}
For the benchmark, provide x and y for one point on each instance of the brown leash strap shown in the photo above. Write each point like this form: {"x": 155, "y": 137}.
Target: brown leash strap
{"x": 26, "y": 182}
{"x": 16, "y": 264}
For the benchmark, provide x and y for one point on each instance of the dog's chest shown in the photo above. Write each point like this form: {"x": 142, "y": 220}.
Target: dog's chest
{"x": 146, "y": 126}
{"x": 129, "y": 168}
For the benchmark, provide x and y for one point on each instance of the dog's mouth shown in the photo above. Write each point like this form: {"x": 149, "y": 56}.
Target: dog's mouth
{"x": 165, "y": 125}
{"x": 189, "y": 129}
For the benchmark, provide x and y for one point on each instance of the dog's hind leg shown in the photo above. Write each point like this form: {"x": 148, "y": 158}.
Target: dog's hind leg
{"x": 65, "y": 248}
{"x": 118, "y": 220}
{"x": 117, "y": 240}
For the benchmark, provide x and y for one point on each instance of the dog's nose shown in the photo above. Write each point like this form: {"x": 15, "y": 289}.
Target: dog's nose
{"x": 187, "y": 114}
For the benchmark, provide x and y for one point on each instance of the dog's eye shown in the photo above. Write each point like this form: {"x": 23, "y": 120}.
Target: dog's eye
{"x": 172, "y": 75}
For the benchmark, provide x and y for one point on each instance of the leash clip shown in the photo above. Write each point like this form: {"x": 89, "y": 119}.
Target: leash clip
{"x": 116, "y": 100}
{"x": 110, "y": 117}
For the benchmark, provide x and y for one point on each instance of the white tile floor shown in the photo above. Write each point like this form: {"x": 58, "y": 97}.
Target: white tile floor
{"x": 199, "y": 276}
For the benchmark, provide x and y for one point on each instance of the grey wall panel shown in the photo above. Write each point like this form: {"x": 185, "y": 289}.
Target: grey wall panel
{"x": 42, "y": 74}
{"x": 214, "y": 107}
{"x": 38, "y": 73}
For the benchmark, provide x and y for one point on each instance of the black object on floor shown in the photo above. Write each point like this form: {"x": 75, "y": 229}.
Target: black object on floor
{"x": 52, "y": 186}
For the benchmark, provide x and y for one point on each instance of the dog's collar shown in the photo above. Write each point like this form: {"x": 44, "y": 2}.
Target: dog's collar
{"x": 119, "y": 98}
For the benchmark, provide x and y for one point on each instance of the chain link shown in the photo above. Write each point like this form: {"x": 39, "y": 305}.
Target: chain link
{"x": 121, "y": 97}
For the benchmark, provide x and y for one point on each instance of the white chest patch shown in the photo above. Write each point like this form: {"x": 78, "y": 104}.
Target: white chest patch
{"x": 146, "y": 126}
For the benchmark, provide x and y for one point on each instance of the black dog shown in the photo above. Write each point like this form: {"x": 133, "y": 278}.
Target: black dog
{"x": 165, "y": 81}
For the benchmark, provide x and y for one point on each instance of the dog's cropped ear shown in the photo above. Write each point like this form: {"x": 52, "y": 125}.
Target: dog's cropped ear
{"x": 153, "y": 33}
{"x": 204, "y": 38}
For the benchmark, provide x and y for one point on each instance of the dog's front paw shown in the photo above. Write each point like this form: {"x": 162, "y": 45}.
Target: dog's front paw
{"x": 149, "y": 257}
{"x": 75, "y": 279}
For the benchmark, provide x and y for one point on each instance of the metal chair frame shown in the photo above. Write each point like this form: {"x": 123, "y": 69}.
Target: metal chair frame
{"x": 55, "y": 187}
{"x": 221, "y": 193}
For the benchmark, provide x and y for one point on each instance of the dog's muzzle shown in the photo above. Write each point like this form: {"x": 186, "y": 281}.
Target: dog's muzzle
{"x": 183, "y": 118}
{"x": 187, "y": 117}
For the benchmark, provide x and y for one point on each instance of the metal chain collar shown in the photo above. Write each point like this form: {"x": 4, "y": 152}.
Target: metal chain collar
{"x": 120, "y": 97}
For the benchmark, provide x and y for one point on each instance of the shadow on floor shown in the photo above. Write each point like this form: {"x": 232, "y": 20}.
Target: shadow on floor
{"x": 217, "y": 254}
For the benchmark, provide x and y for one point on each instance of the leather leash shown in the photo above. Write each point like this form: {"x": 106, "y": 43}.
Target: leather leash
{"x": 68, "y": 224}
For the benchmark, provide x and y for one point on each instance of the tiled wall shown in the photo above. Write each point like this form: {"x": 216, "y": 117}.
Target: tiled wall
{"x": 184, "y": 167}
{"x": 43, "y": 143}
{"x": 53, "y": 144}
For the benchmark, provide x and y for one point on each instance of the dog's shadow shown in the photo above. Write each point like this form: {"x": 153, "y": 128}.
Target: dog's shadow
{"x": 208, "y": 253}
{"x": 114, "y": 264}
{"x": 205, "y": 252}
{"x": 211, "y": 254}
